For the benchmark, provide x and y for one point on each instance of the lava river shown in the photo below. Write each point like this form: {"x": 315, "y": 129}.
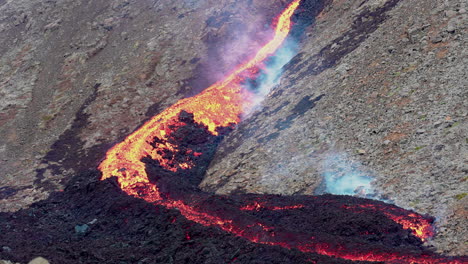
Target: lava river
{"x": 158, "y": 162}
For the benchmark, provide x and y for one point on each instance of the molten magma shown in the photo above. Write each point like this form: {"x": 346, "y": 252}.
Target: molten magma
{"x": 221, "y": 105}
{"x": 257, "y": 206}
{"x": 420, "y": 226}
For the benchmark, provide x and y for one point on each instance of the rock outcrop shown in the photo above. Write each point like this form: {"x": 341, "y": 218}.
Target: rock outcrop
{"x": 381, "y": 83}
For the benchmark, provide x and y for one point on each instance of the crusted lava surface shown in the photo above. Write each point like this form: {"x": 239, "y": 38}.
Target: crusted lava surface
{"x": 94, "y": 221}
{"x": 124, "y": 229}
{"x": 130, "y": 230}
{"x": 127, "y": 230}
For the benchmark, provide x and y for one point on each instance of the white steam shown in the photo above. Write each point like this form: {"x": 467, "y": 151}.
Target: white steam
{"x": 270, "y": 76}
{"x": 346, "y": 177}
{"x": 274, "y": 68}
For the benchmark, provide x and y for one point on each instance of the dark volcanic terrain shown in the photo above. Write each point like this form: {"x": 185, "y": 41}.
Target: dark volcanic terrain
{"x": 381, "y": 84}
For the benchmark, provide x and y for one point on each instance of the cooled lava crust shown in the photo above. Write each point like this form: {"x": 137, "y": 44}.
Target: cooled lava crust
{"x": 131, "y": 230}
{"x": 94, "y": 221}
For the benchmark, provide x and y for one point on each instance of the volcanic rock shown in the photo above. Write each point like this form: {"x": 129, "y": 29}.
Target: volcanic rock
{"x": 78, "y": 76}
{"x": 39, "y": 260}
{"x": 414, "y": 89}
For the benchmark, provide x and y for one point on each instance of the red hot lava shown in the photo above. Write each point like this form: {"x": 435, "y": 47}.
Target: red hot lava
{"x": 420, "y": 226}
{"x": 217, "y": 107}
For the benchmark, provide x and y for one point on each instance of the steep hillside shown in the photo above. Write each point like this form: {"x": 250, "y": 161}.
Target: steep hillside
{"x": 378, "y": 86}
{"x": 77, "y": 76}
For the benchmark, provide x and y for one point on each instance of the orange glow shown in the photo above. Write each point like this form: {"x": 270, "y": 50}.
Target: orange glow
{"x": 218, "y": 106}
{"x": 257, "y": 206}
{"x": 417, "y": 224}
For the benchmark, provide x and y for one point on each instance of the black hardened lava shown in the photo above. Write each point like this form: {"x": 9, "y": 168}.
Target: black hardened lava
{"x": 93, "y": 221}
{"x": 124, "y": 229}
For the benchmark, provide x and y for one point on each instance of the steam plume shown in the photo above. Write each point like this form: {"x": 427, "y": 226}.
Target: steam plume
{"x": 271, "y": 73}
{"x": 345, "y": 177}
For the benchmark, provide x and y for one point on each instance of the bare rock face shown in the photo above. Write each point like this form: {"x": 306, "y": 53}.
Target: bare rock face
{"x": 382, "y": 83}
{"x": 78, "y": 76}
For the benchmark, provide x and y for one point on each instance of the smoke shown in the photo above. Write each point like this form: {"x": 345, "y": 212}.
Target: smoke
{"x": 242, "y": 43}
{"x": 232, "y": 39}
{"x": 271, "y": 73}
{"x": 346, "y": 177}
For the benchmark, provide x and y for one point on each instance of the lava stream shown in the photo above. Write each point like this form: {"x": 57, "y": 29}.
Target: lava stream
{"x": 217, "y": 107}
{"x": 220, "y": 105}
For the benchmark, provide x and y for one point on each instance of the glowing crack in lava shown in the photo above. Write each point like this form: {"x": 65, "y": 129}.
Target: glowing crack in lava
{"x": 220, "y": 106}
{"x": 419, "y": 226}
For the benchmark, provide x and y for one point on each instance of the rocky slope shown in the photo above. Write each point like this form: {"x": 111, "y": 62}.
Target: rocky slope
{"x": 380, "y": 83}
{"x": 77, "y": 76}
{"x": 386, "y": 88}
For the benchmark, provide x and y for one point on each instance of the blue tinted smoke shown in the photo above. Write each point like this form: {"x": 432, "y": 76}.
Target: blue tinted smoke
{"x": 346, "y": 177}
{"x": 271, "y": 73}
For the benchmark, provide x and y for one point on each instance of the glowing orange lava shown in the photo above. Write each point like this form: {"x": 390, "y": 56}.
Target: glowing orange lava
{"x": 417, "y": 224}
{"x": 256, "y": 206}
{"x": 220, "y": 106}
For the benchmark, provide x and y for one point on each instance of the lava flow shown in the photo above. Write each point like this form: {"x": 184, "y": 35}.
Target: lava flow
{"x": 218, "y": 106}
{"x": 157, "y": 163}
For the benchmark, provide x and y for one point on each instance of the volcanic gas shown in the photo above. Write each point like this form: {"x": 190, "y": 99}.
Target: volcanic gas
{"x": 163, "y": 161}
